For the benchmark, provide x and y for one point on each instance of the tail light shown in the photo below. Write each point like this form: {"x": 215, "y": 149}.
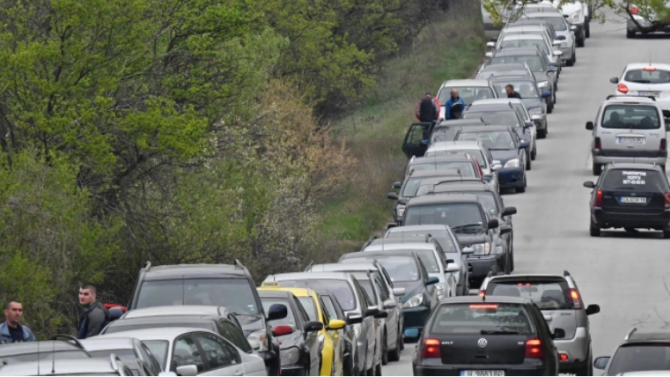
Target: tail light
{"x": 483, "y": 293}
{"x": 634, "y": 10}
{"x": 664, "y": 145}
{"x": 563, "y": 357}
{"x": 574, "y": 295}
{"x": 534, "y": 349}
{"x": 667, "y": 200}
{"x": 622, "y": 88}
{"x": 599, "y": 199}
{"x": 431, "y": 348}
{"x": 598, "y": 143}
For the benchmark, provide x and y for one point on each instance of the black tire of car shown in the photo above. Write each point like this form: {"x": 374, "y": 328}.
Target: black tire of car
{"x": 385, "y": 352}
{"x": 511, "y": 260}
{"x": 508, "y": 264}
{"x": 586, "y": 370}
{"x": 573, "y": 60}
{"x": 630, "y": 34}
{"x": 378, "y": 370}
{"x": 533, "y": 154}
{"x": 581, "y": 42}
{"x": 528, "y": 161}
{"x": 394, "y": 355}
{"x": 522, "y": 188}
{"x": 666, "y": 233}
{"x": 594, "y": 231}
{"x": 541, "y": 134}
{"x": 402, "y": 339}
{"x": 662, "y": 167}
{"x": 587, "y": 28}
{"x": 596, "y": 168}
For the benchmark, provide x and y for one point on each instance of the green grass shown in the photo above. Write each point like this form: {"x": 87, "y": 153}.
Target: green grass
{"x": 450, "y": 49}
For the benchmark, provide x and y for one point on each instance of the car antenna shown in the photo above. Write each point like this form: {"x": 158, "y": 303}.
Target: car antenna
{"x": 53, "y": 359}
{"x": 38, "y": 358}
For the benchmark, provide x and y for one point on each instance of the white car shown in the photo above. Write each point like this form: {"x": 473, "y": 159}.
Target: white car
{"x": 195, "y": 352}
{"x": 577, "y": 14}
{"x": 643, "y": 18}
{"x": 564, "y": 32}
{"x": 647, "y": 80}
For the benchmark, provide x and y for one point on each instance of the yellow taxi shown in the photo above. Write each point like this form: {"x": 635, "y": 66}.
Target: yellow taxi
{"x": 332, "y": 352}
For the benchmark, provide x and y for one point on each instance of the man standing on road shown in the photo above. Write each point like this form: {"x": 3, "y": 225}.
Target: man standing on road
{"x": 511, "y": 93}
{"x": 12, "y": 331}
{"x": 94, "y": 317}
{"x": 454, "y": 100}
{"x": 428, "y": 109}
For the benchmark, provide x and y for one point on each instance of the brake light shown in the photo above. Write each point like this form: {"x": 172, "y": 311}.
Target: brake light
{"x": 622, "y": 88}
{"x": 650, "y": 69}
{"x": 431, "y": 348}
{"x": 534, "y": 348}
{"x": 484, "y": 306}
{"x": 599, "y": 199}
{"x": 664, "y": 145}
{"x": 482, "y": 293}
{"x": 634, "y": 10}
{"x": 667, "y": 200}
{"x": 574, "y": 295}
{"x": 563, "y": 357}
{"x": 598, "y": 143}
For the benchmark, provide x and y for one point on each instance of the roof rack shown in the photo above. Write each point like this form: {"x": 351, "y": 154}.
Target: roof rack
{"x": 490, "y": 274}
{"x": 634, "y": 329}
{"x": 566, "y": 273}
{"x": 239, "y": 264}
{"x": 626, "y": 95}
{"x": 147, "y": 266}
{"x": 115, "y": 361}
{"x": 309, "y": 266}
{"x": 70, "y": 338}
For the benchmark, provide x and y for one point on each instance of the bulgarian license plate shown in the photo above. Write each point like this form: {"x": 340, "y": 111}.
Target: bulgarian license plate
{"x": 630, "y": 140}
{"x": 627, "y": 199}
{"x": 482, "y": 373}
{"x": 649, "y": 94}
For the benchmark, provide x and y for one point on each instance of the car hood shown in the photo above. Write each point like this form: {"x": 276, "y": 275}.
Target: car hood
{"x": 470, "y": 239}
{"x": 412, "y": 288}
{"x": 250, "y": 323}
{"x": 532, "y": 103}
{"x": 504, "y": 155}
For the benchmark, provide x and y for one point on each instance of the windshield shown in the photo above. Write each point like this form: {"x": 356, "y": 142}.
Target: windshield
{"x": 557, "y": 22}
{"x": 534, "y": 62}
{"x": 234, "y": 294}
{"x": 310, "y": 308}
{"x": 639, "y": 358}
{"x": 410, "y": 187}
{"x": 453, "y": 214}
{"x": 501, "y": 140}
{"x": 367, "y": 286}
{"x": 446, "y": 242}
{"x": 482, "y": 319}
{"x": 340, "y": 288}
{"x": 159, "y": 348}
{"x": 634, "y": 180}
{"x": 467, "y": 169}
{"x": 636, "y": 117}
{"x": 476, "y": 153}
{"x": 400, "y": 269}
{"x": 496, "y": 118}
{"x": 513, "y": 43}
{"x": 487, "y": 198}
{"x": 641, "y": 76}
{"x": 468, "y": 94}
{"x": 547, "y": 295}
{"x": 289, "y": 320}
{"x": 526, "y": 89}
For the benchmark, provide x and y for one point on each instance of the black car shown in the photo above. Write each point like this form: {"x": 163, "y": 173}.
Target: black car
{"x": 640, "y": 351}
{"x": 493, "y": 204}
{"x": 495, "y": 336}
{"x": 630, "y": 196}
{"x": 225, "y": 285}
{"x": 473, "y": 227}
{"x": 299, "y": 342}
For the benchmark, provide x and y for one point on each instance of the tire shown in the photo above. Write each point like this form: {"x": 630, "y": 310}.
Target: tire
{"x": 587, "y": 370}
{"x": 550, "y": 108}
{"x": 594, "y": 231}
{"x": 630, "y": 34}
{"x": 528, "y": 163}
{"x": 596, "y": 168}
{"x": 378, "y": 370}
{"x": 401, "y": 334}
{"x": 580, "y": 42}
{"x": 385, "y": 353}
{"x": 666, "y": 233}
{"x": 571, "y": 62}
{"x": 394, "y": 355}
{"x": 522, "y": 188}
{"x": 533, "y": 154}
{"x": 511, "y": 260}
{"x": 508, "y": 264}
{"x": 587, "y": 29}
{"x": 662, "y": 167}
{"x": 541, "y": 134}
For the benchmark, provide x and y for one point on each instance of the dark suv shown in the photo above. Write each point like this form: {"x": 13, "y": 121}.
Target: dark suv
{"x": 639, "y": 352}
{"x": 498, "y": 336}
{"x": 226, "y": 285}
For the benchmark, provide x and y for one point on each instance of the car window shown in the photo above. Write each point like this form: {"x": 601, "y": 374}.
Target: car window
{"x": 329, "y": 308}
{"x": 400, "y": 269}
{"x": 158, "y": 348}
{"x": 429, "y": 260}
{"x": 648, "y": 76}
{"x": 498, "y": 118}
{"x": 446, "y": 242}
{"x": 234, "y": 335}
{"x": 634, "y": 180}
{"x": 218, "y": 352}
{"x": 410, "y": 187}
{"x": 557, "y": 22}
{"x": 534, "y": 62}
{"x": 486, "y": 198}
{"x": 186, "y": 352}
{"x": 639, "y": 358}
{"x": 150, "y": 358}
{"x": 482, "y": 319}
{"x": 636, "y": 117}
{"x": 476, "y": 153}
{"x": 467, "y": 169}
{"x": 453, "y": 214}
{"x": 501, "y": 140}
{"x": 468, "y": 94}
{"x": 289, "y": 320}
{"x": 513, "y": 43}
{"x": 369, "y": 290}
{"x": 381, "y": 287}
{"x": 310, "y": 307}
{"x": 547, "y": 295}
{"x": 340, "y": 289}
{"x": 235, "y": 294}
{"x": 302, "y": 311}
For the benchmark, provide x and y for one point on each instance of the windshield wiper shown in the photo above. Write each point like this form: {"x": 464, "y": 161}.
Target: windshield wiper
{"x": 498, "y": 332}
{"x": 467, "y": 226}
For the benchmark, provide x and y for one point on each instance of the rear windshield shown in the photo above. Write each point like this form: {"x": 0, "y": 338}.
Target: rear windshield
{"x": 487, "y": 198}
{"x": 547, "y": 295}
{"x": 501, "y": 140}
{"x": 446, "y": 242}
{"x": 513, "y": 43}
{"x": 289, "y": 320}
{"x": 534, "y": 62}
{"x": 634, "y": 180}
{"x": 648, "y": 77}
{"x": 340, "y": 288}
{"x": 476, "y": 153}
{"x": 639, "y": 358}
{"x": 636, "y": 117}
{"x": 557, "y": 22}
{"x": 454, "y": 215}
{"x": 482, "y": 319}
{"x": 400, "y": 269}
{"x": 467, "y": 169}
{"x": 468, "y": 94}
{"x": 310, "y": 308}
{"x": 496, "y": 118}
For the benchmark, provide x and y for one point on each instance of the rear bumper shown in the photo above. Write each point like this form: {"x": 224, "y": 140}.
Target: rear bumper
{"x": 414, "y": 320}
{"x": 630, "y": 25}
{"x": 577, "y": 350}
{"x": 510, "y": 178}
{"x": 604, "y": 219}
{"x": 429, "y": 367}
{"x": 481, "y": 265}
{"x": 606, "y": 156}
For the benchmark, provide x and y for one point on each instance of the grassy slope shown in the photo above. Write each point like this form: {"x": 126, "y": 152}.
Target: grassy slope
{"x": 451, "y": 48}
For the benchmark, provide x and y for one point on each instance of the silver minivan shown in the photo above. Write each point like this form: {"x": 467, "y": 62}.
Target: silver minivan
{"x": 628, "y": 129}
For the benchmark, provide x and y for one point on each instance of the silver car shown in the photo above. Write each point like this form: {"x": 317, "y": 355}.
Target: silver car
{"x": 539, "y": 40}
{"x": 107, "y": 366}
{"x": 473, "y": 148}
{"x": 469, "y": 90}
{"x": 628, "y": 129}
{"x": 565, "y": 33}
{"x": 558, "y": 297}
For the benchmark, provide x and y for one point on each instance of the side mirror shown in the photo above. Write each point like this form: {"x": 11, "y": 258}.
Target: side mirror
{"x": 282, "y": 330}
{"x": 546, "y": 94}
{"x": 592, "y": 309}
{"x": 601, "y": 362}
{"x": 402, "y": 201}
{"x": 392, "y": 196}
{"x": 381, "y": 314}
{"x": 397, "y": 184}
{"x": 432, "y": 280}
{"x": 277, "y": 311}
{"x": 187, "y": 370}
{"x": 372, "y": 311}
{"x": 509, "y": 211}
{"x": 524, "y": 145}
{"x": 493, "y": 224}
{"x": 467, "y": 250}
{"x": 489, "y": 55}
{"x": 398, "y": 292}
{"x": 505, "y": 230}
{"x": 491, "y": 44}
{"x": 614, "y": 80}
{"x": 451, "y": 268}
{"x": 336, "y": 324}
{"x": 528, "y": 125}
{"x": 559, "y": 333}
{"x": 558, "y": 53}
{"x": 496, "y": 167}
{"x": 313, "y": 326}
{"x": 589, "y": 184}
{"x": 354, "y": 318}
{"x": 390, "y": 304}
{"x": 589, "y": 126}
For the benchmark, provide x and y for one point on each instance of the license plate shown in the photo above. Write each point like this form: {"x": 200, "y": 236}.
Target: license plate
{"x": 627, "y": 199}
{"x": 482, "y": 373}
{"x": 649, "y": 94}
{"x": 630, "y": 140}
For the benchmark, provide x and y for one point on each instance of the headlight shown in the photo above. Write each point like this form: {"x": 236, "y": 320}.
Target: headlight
{"x": 536, "y": 111}
{"x": 513, "y": 163}
{"x": 577, "y": 17}
{"x": 414, "y": 301}
{"x": 543, "y": 84}
{"x": 258, "y": 340}
{"x": 400, "y": 210}
{"x": 289, "y": 356}
{"x": 482, "y": 248}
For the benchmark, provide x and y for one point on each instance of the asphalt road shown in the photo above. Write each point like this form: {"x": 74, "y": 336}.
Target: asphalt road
{"x": 627, "y": 275}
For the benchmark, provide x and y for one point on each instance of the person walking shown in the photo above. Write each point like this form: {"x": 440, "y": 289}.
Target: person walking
{"x": 453, "y": 100}
{"x": 511, "y": 93}
{"x": 12, "y": 331}
{"x": 428, "y": 109}
{"x": 95, "y": 316}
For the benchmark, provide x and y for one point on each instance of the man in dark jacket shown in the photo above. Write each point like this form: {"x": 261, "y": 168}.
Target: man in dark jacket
{"x": 12, "y": 331}
{"x": 453, "y": 100}
{"x": 428, "y": 109}
{"x": 94, "y": 317}
{"x": 511, "y": 93}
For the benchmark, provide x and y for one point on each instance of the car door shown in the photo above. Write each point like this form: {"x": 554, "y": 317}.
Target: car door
{"x": 386, "y": 297}
{"x": 220, "y": 357}
{"x": 336, "y": 337}
{"x": 185, "y": 352}
{"x": 311, "y": 338}
{"x": 414, "y": 144}
{"x": 368, "y": 324}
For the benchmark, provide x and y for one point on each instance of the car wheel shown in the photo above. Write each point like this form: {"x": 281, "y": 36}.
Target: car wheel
{"x": 630, "y": 34}
{"x": 528, "y": 163}
{"x": 554, "y": 99}
{"x": 594, "y": 231}
{"x": 378, "y": 370}
{"x": 508, "y": 264}
{"x": 522, "y": 188}
{"x": 586, "y": 370}
{"x": 666, "y": 233}
{"x": 587, "y": 29}
{"x": 394, "y": 355}
{"x": 572, "y": 60}
{"x": 550, "y": 107}
{"x": 385, "y": 353}
{"x": 541, "y": 134}
{"x": 511, "y": 261}
{"x": 596, "y": 168}
{"x": 662, "y": 167}
{"x": 580, "y": 42}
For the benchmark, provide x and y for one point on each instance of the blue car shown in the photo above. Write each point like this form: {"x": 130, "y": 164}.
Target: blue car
{"x": 506, "y": 147}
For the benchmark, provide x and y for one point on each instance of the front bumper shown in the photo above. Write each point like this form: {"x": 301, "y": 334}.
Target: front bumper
{"x": 414, "y": 320}
{"x": 577, "y": 350}
{"x": 511, "y": 177}
{"x": 481, "y": 265}
{"x": 604, "y": 219}
{"x": 434, "y": 367}
{"x": 603, "y": 156}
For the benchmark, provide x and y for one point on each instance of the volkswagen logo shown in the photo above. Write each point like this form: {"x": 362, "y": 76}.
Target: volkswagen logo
{"x": 482, "y": 343}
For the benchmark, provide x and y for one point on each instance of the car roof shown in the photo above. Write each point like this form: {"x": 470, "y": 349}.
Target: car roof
{"x": 361, "y": 266}
{"x": 263, "y": 293}
{"x": 518, "y": 51}
{"x": 31, "y": 347}
{"x": 186, "y": 271}
{"x": 652, "y": 336}
{"x": 434, "y": 173}
{"x": 522, "y": 36}
{"x": 442, "y": 198}
{"x": 431, "y": 159}
{"x": 465, "y": 82}
{"x": 486, "y": 128}
{"x": 629, "y": 100}
{"x": 464, "y": 187}
{"x": 511, "y": 77}
{"x": 308, "y": 275}
{"x": 645, "y": 65}
{"x": 486, "y": 300}
{"x": 167, "y": 320}
{"x": 496, "y": 101}
{"x": 632, "y": 166}
{"x": 505, "y": 66}
{"x": 458, "y": 122}
{"x": 533, "y": 27}
{"x": 296, "y": 291}
{"x": 62, "y": 367}
{"x": 377, "y": 254}
{"x": 171, "y": 310}
{"x": 383, "y": 244}
{"x": 541, "y": 15}
{"x": 99, "y": 343}
{"x": 414, "y": 228}
{"x": 158, "y": 333}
